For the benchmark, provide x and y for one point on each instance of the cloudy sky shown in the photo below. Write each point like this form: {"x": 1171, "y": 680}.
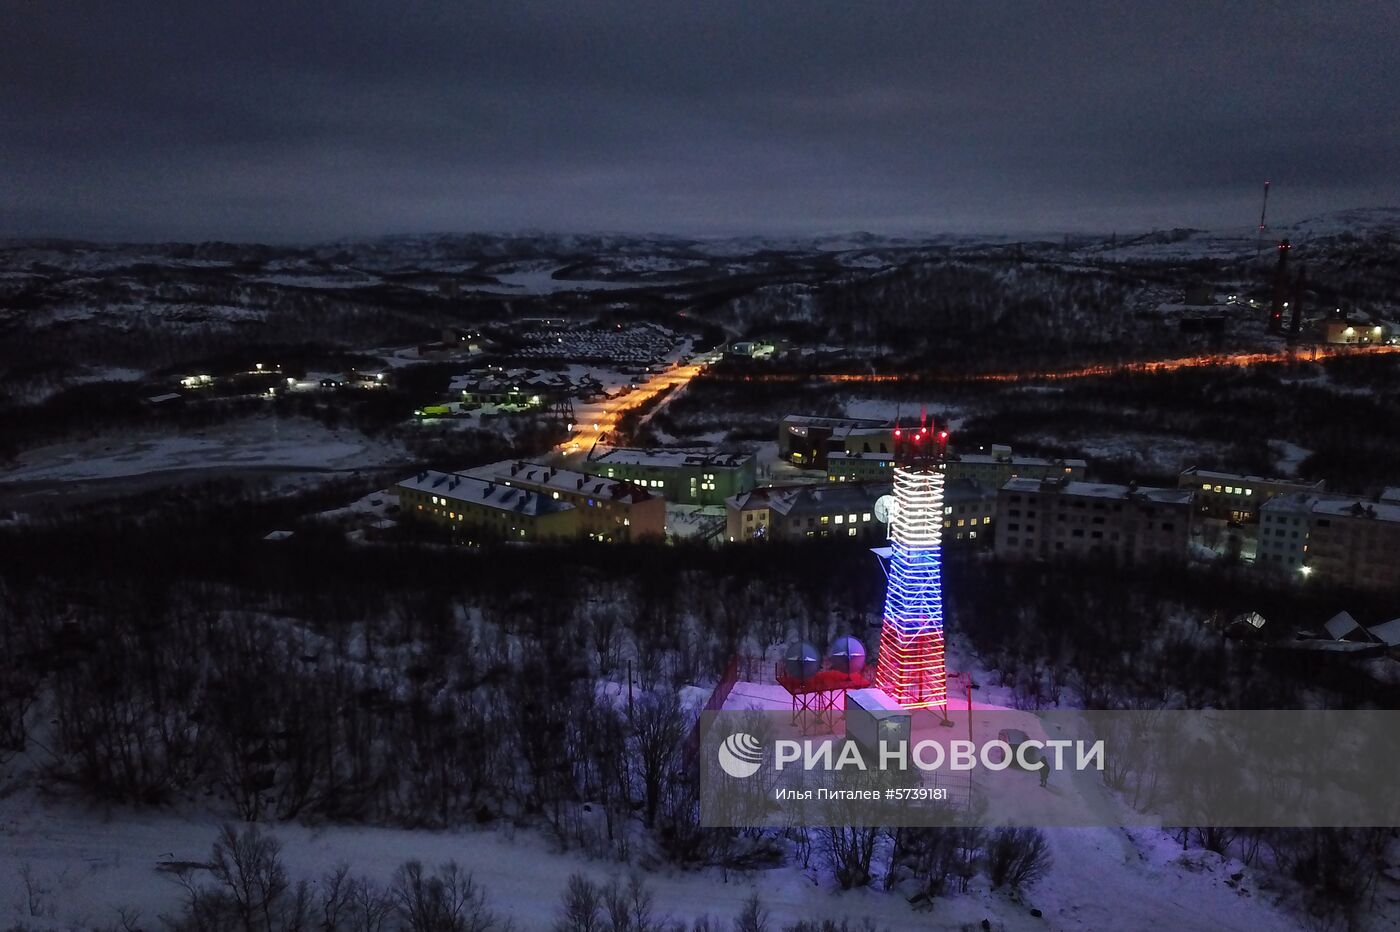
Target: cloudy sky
{"x": 294, "y": 121}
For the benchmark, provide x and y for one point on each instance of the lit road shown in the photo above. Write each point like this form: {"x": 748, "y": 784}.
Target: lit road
{"x": 593, "y": 422}
{"x": 1209, "y": 361}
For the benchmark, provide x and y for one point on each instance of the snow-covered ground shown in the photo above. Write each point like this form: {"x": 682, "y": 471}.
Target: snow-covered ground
{"x": 95, "y": 862}
{"x": 1102, "y": 878}
{"x": 259, "y": 441}
{"x": 537, "y": 281}
{"x": 1150, "y": 453}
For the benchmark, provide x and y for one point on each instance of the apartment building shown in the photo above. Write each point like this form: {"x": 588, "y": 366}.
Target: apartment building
{"x": 1238, "y": 498}
{"x": 608, "y": 509}
{"x": 481, "y": 508}
{"x": 1000, "y": 464}
{"x": 683, "y": 477}
{"x": 1122, "y": 523}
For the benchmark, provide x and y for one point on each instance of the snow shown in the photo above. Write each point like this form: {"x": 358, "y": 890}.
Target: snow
{"x": 1102, "y": 878}
{"x": 261, "y": 441}
{"x": 1288, "y": 457}
{"x": 540, "y": 281}
{"x": 100, "y": 861}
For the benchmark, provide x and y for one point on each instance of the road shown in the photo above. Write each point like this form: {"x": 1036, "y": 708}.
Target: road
{"x": 593, "y": 422}
{"x": 1204, "y": 361}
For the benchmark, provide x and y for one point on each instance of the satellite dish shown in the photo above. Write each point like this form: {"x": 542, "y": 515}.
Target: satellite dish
{"x": 802, "y": 660}
{"x": 885, "y": 507}
{"x": 847, "y": 655}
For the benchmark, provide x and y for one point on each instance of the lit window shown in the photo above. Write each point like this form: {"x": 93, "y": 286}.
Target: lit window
{"x": 865, "y": 516}
{"x": 825, "y": 520}
{"x": 971, "y": 533}
{"x": 840, "y": 519}
{"x": 851, "y": 518}
{"x": 1206, "y": 487}
{"x": 961, "y": 522}
{"x": 986, "y": 520}
{"x": 852, "y": 532}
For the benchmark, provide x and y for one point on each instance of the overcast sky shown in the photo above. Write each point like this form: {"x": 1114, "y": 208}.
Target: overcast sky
{"x": 293, "y": 121}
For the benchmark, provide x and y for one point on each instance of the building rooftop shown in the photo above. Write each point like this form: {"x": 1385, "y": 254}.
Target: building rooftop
{"x": 1014, "y": 460}
{"x": 1101, "y": 490}
{"x": 1319, "y": 485}
{"x": 464, "y": 488}
{"x": 633, "y": 456}
{"x": 814, "y": 499}
{"x": 522, "y": 472}
{"x": 849, "y": 455}
{"x": 1292, "y": 503}
{"x": 1357, "y": 508}
{"x": 806, "y": 420}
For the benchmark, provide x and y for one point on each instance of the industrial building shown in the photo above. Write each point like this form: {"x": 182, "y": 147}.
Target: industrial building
{"x": 996, "y": 467}
{"x": 806, "y": 441}
{"x": 797, "y": 512}
{"x": 1122, "y": 523}
{"x": 480, "y": 507}
{"x": 1238, "y": 498}
{"x": 682, "y": 477}
{"x": 608, "y": 509}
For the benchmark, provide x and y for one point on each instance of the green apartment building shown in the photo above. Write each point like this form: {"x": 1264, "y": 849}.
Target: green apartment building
{"x": 682, "y": 477}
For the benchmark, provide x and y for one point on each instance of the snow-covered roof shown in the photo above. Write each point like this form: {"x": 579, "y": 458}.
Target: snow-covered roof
{"x": 851, "y": 455}
{"x": 836, "y": 423}
{"x": 633, "y": 456}
{"x": 1356, "y": 508}
{"x": 1015, "y": 460}
{"x": 463, "y": 488}
{"x": 1387, "y": 633}
{"x": 1291, "y": 503}
{"x": 1340, "y": 625}
{"x": 829, "y": 498}
{"x": 1236, "y": 478}
{"x": 537, "y": 475}
{"x": 1101, "y": 490}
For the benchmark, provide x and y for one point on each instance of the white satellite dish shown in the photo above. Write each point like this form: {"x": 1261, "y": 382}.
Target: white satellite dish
{"x": 885, "y": 507}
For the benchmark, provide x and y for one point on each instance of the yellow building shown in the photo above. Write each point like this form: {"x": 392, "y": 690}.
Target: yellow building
{"x": 482, "y": 507}
{"x": 608, "y": 509}
{"x": 1237, "y": 498}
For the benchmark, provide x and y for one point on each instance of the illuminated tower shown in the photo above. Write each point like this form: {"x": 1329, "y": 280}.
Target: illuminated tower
{"x": 911, "y": 668}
